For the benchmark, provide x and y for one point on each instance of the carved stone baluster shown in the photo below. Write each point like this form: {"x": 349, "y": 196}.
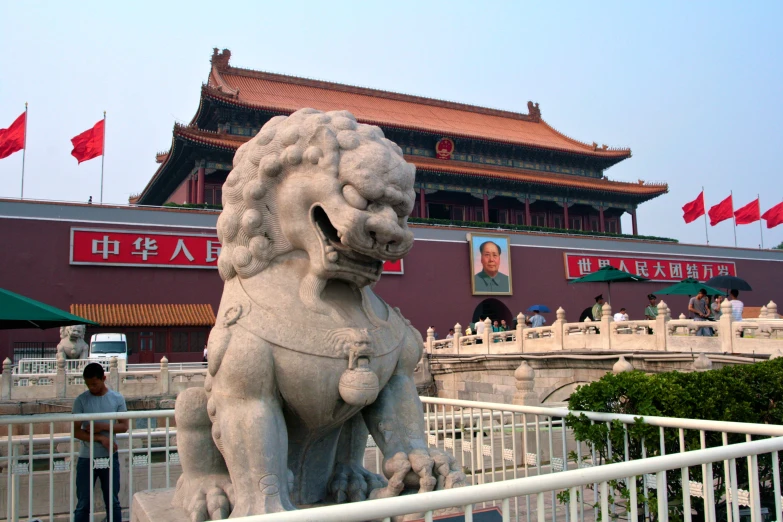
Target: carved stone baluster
{"x": 114, "y": 375}
{"x": 772, "y": 310}
{"x": 60, "y": 377}
{"x": 525, "y": 394}
{"x": 702, "y": 363}
{"x": 520, "y": 335}
{"x": 606, "y": 324}
{"x": 164, "y": 382}
{"x": 622, "y": 366}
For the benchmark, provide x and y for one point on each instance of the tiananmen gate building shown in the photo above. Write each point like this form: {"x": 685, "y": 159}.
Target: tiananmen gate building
{"x": 149, "y": 269}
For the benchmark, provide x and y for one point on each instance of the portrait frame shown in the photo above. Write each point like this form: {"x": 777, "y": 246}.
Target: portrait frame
{"x": 475, "y": 240}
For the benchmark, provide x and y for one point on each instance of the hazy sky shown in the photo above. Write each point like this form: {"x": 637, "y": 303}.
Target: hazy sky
{"x": 694, "y": 88}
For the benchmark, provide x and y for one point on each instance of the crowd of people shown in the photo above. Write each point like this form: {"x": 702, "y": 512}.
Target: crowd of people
{"x": 479, "y": 327}
{"x": 700, "y": 308}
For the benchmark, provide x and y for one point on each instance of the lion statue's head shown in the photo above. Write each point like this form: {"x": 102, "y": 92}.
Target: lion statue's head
{"x": 73, "y": 333}
{"x": 72, "y": 344}
{"x": 321, "y": 183}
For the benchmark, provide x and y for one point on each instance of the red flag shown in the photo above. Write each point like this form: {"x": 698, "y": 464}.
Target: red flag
{"x": 88, "y": 144}
{"x": 12, "y": 138}
{"x": 721, "y": 212}
{"x": 694, "y": 209}
{"x": 750, "y": 213}
{"x": 774, "y": 216}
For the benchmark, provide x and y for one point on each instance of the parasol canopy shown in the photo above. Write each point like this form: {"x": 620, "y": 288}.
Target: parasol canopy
{"x": 729, "y": 282}
{"x": 18, "y": 311}
{"x": 689, "y": 287}
{"x": 609, "y": 274}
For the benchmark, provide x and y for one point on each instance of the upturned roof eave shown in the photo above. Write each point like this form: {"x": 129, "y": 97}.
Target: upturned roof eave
{"x": 543, "y": 182}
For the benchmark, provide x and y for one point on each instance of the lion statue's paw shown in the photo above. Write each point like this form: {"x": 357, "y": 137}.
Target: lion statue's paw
{"x": 426, "y": 469}
{"x": 209, "y": 497}
{"x": 352, "y": 483}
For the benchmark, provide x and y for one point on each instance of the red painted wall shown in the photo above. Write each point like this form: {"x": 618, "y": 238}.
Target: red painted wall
{"x": 35, "y": 263}
{"x": 181, "y": 194}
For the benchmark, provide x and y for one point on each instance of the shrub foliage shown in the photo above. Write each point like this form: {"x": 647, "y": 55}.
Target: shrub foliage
{"x": 751, "y": 393}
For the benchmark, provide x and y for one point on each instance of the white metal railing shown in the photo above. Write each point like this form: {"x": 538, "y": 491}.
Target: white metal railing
{"x": 49, "y": 366}
{"x": 150, "y": 367}
{"x": 76, "y": 366}
{"x": 570, "y": 482}
{"x": 522, "y": 459}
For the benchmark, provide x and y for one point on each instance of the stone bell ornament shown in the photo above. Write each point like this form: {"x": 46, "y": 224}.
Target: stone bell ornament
{"x": 359, "y": 385}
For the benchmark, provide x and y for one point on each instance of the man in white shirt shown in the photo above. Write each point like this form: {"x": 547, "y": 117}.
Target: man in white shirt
{"x": 480, "y": 326}
{"x": 737, "y": 306}
{"x": 620, "y": 316}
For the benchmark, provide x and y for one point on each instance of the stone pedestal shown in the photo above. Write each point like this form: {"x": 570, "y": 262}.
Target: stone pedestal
{"x": 155, "y": 506}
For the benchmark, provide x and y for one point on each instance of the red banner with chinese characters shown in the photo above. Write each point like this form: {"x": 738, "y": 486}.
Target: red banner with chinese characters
{"x": 143, "y": 248}
{"x": 654, "y": 268}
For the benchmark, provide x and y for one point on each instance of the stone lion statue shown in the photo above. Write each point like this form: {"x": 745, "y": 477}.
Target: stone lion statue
{"x": 305, "y": 359}
{"x": 72, "y": 344}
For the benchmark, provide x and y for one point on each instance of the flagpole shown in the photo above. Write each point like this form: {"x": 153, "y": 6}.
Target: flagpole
{"x": 24, "y": 147}
{"x": 731, "y": 194}
{"x": 103, "y": 155}
{"x": 703, "y": 202}
{"x": 761, "y": 229}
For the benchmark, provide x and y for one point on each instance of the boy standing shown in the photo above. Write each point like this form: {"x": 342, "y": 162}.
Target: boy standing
{"x": 698, "y": 307}
{"x": 97, "y": 399}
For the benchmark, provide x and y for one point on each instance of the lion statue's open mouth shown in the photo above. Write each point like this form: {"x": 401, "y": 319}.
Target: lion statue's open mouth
{"x": 339, "y": 258}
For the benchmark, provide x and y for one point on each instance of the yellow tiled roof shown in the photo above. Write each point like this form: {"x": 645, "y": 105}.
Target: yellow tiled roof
{"x": 146, "y": 314}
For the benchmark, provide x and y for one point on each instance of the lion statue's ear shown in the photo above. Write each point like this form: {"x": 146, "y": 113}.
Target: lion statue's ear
{"x": 64, "y": 332}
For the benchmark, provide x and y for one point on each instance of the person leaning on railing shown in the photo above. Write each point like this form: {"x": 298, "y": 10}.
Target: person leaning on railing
{"x": 97, "y": 399}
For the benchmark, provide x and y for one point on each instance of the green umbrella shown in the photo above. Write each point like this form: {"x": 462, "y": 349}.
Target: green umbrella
{"x": 609, "y": 274}
{"x": 689, "y": 286}
{"x": 18, "y": 311}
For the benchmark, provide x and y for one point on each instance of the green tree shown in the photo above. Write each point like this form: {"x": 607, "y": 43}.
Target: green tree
{"x": 779, "y": 247}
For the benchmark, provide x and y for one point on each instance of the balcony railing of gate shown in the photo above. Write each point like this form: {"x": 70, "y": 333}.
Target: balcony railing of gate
{"x": 762, "y": 335}
{"x": 522, "y": 459}
{"x": 42, "y": 379}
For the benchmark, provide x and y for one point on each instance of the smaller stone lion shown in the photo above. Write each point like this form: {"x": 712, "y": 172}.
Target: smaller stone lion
{"x": 72, "y": 344}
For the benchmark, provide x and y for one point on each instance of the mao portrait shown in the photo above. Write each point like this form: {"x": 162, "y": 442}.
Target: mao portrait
{"x": 490, "y": 265}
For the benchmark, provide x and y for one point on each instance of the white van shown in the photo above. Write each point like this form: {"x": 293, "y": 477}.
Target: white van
{"x": 108, "y": 345}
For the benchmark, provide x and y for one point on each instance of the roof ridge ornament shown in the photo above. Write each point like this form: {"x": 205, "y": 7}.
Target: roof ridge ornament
{"x": 533, "y": 111}
{"x": 220, "y": 59}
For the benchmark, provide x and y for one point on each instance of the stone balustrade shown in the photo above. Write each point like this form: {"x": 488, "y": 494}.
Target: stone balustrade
{"x": 762, "y": 335}
{"x": 63, "y": 385}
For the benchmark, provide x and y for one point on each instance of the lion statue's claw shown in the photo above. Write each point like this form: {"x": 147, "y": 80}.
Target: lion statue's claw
{"x": 352, "y": 483}
{"x": 428, "y": 469}
{"x": 207, "y": 498}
